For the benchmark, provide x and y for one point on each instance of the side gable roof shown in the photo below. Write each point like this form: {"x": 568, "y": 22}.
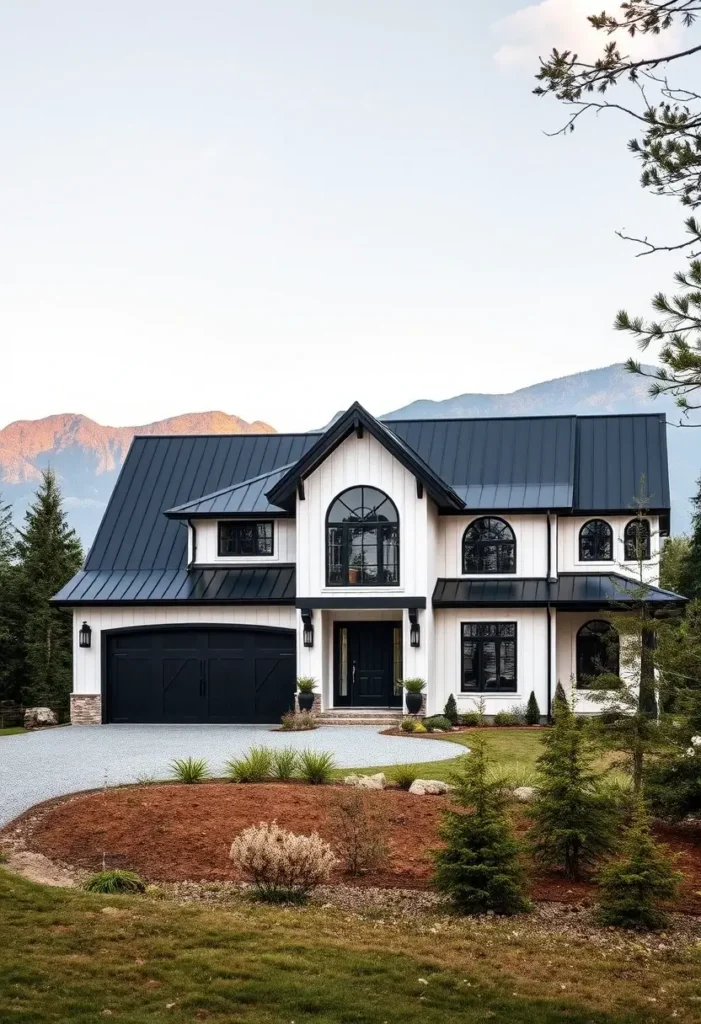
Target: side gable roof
{"x": 357, "y": 419}
{"x": 246, "y": 498}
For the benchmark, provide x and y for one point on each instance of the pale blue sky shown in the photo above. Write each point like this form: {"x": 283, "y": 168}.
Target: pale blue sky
{"x": 273, "y": 208}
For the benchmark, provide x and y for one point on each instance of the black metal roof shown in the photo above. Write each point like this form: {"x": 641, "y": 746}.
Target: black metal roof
{"x": 247, "y": 498}
{"x": 240, "y": 585}
{"x": 570, "y": 590}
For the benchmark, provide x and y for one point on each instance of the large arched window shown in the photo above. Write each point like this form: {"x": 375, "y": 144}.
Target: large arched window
{"x": 362, "y": 540}
{"x": 596, "y": 542}
{"x": 597, "y": 652}
{"x": 636, "y": 540}
{"x": 488, "y": 545}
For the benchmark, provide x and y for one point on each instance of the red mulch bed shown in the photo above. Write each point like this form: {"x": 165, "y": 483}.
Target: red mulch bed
{"x": 178, "y": 833}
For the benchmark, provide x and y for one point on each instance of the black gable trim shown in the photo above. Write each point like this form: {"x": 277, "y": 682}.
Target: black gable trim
{"x": 354, "y": 421}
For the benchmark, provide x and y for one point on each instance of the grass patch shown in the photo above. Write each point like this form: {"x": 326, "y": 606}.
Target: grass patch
{"x": 14, "y": 730}
{"x": 62, "y": 959}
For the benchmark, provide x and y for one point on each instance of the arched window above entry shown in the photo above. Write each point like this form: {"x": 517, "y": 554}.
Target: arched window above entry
{"x": 636, "y": 540}
{"x": 489, "y": 545}
{"x": 362, "y": 539}
{"x": 598, "y": 652}
{"x": 596, "y": 542}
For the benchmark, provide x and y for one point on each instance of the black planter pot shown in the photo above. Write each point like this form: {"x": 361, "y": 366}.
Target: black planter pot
{"x": 413, "y": 703}
{"x": 306, "y": 701}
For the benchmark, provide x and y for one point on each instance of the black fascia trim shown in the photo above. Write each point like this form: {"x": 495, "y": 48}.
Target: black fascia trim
{"x": 360, "y": 602}
{"x": 283, "y": 493}
{"x": 243, "y": 564}
{"x": 253, "y": 516}
{"x": 175, "y": 603}
{"x": 513, "y": 510}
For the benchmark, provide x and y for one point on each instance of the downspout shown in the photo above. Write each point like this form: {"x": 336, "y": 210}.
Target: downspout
{"x": 550, "y": 662}
{"x": 194, "y": 542}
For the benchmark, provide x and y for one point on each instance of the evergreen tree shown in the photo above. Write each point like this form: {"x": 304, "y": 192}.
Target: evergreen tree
{"x": 9, "y": 624}
{"x": 574, "y": 823}
{"x": 532, "y": 710}
{"x": 559, "y": 698}
{"x": 479, "y": 868}
{"x": 690, "y": 571}
{"x": 673, "y": 557}
{"x": 49, "y": 554}
{"x": 451, "y": 710}
{"x": 633, "y": 886}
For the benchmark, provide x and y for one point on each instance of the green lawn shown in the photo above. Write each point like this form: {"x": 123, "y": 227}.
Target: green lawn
{"x": 515, "y": 752}
{"x": 70, "y": 956}
{"x": 12, "y": 731}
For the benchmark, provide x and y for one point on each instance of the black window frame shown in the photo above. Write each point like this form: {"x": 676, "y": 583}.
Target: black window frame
{"x": 498, "y": 640}
{"x": 240, "y": 524}
{"x": 346, "y": 527}
{"x": 586, "y": 558}
{"x": 630, "y": 546}
{"x": 583, "y": 679}
{"x": 481, "y": 543}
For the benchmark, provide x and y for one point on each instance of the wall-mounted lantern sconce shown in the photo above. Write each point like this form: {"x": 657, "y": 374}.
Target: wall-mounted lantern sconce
{"x": 85, "y": 635}
{"x": 414, "y": 629}
{"x": 308, "y": 632}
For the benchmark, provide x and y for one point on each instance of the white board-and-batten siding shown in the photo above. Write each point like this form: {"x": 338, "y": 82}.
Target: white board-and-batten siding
{"x": 530, "y": 532}
{"x": 284, "y": 544}
{"x": 87, "y": 662}
{"x": 568, "y": 548}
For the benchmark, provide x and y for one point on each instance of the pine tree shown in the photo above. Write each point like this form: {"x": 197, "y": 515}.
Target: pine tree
{"x": 690, "y": 571}
{"x": 49, "y": 554}
{"x": 574, "y": 823}
{"x": 532, "y": 710}
{"x": 559, "y": 698}
{"x": 451, "y": 710}
{"x": 633, "y": 886}
{"x": 9, "y": 622}
{"x": 479, "y": 868}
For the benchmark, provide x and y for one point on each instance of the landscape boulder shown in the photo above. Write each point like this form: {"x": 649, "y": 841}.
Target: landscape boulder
{"x": 378, "y": 781}
{"x": 429, "y": 787}
{"x": 525, "y": 794}
{"x": 38, "y": 718}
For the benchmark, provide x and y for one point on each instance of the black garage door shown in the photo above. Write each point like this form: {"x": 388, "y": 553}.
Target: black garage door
{"x": 200, "y": 674}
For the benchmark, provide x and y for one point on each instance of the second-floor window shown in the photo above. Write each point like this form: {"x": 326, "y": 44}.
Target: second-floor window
{"x": 245, "y": 538}
{"x": 489, "y": 545}
{"x": 636, "y": 540}
{"x": 596, "y": 542}
{"x": 362, "y": 539}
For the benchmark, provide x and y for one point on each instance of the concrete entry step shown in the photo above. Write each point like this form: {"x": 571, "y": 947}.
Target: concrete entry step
{"x": 386, "y": 717}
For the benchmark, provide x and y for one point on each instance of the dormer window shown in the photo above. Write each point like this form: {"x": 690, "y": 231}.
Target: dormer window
{"x": 362, "y": 540}
{"x": 245, "y": 538}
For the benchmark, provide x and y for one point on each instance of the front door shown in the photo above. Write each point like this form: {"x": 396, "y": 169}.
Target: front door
{"x": 368, "y": 664}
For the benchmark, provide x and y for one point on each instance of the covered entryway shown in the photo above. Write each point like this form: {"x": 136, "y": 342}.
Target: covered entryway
{"x": 199, "y": 674}
{"x": 368, "y": 664}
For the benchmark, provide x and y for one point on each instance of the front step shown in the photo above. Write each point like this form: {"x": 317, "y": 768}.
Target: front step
{"x": 360, "y": 716}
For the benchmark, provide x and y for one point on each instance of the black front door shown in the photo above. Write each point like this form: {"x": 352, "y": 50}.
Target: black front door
{"x": 368, "y": 664}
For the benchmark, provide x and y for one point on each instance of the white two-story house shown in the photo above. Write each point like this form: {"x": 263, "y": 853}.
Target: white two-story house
{"x": 482, "y": 555}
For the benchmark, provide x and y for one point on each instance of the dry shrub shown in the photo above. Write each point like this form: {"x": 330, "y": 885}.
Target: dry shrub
{"x": 361, "y": 834}
{"x": 282, "y": 865}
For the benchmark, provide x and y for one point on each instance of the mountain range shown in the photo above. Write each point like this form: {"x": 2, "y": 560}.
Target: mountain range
{"x": 87, "y": 455}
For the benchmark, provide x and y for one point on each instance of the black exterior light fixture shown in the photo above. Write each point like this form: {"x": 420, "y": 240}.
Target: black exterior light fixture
{"x": 414, "y": 629}
{"x": 85, "y": 635}
{"x": 308, "y": 632}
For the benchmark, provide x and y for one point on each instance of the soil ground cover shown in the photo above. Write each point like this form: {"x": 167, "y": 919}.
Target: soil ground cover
{"x": 176, "y": 833}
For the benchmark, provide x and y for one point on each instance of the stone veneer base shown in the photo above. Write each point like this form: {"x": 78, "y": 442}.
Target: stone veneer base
{"x": 86, "y": 709}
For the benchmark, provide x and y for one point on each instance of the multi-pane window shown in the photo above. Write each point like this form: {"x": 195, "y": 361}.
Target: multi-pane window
{"x": 488, "y": 657}
{"x": 636, "y": 540}
{"x": 362, "y": 540}
{"x": 596, "y": 542}
{"x": 245, "y": 538}
{"x": 598, "y": 652}
{"x": 489, "y": 545}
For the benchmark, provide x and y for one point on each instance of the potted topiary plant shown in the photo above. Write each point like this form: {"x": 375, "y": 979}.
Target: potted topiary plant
{"x": 305, "y": 692}
{"x": 414, "y": 688}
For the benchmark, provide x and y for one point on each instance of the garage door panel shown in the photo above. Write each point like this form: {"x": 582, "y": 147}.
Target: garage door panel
{"x": 200, "y": 675}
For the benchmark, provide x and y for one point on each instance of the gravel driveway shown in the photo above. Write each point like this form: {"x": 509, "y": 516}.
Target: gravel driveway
{"x": 36, "y": 766}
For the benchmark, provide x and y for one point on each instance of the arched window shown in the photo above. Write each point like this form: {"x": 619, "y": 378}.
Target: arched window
{"x": 636, "y": 540}
{"x": 362, "y": 539}
{"x": 488, "y": 545}
{"x": 596, "y": 542}
{"x": 597, "y": 652}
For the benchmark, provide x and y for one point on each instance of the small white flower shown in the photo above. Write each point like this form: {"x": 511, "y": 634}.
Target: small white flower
{"x": 690, "y": 751}
{"x": 696, "y": 741}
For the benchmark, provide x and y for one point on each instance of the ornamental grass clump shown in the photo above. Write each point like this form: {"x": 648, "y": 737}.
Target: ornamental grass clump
{"x": 284, "y": 764}
{"x": 255, "y": 766}
{"x": 282, "y": 866}
{"x": 301, "y": 721}
{"x": 316, "y": 767}
{"x": 479, "y": 868}
{"x": 633, "y": 887}
{"x": 189, "y": 769}
{"x": 575, "y": 821}
{"x": 115, "y": 882}
{"x": 404, "y": 775}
